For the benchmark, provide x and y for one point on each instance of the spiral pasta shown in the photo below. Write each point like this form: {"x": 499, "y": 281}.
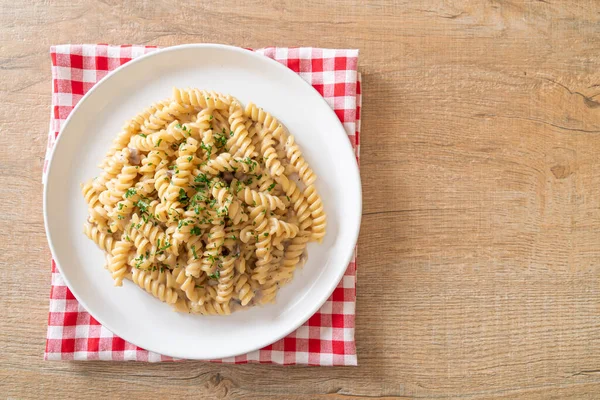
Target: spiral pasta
{"x": 149, "y": 282}
{"x": 117, "y": 264}
{"x": 204, "y": 204}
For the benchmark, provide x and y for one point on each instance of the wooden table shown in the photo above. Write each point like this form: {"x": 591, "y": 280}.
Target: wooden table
{"x": 479, "y": 254}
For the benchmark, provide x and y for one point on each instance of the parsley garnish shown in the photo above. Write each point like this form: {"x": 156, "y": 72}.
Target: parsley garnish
{"x": 250, "y": 162}
{"x": 143, "y": 135}
{"x": 238, "y": 187}
{"x": 162, "y": 249}
{"x": 207, "y": 148}
{"x": 195, "y": 231}
{"x": 142, "y": 205}
{"x": 183, "y": 197}
{"x": 271, "y": 186}
{"x": 220, "y": 140}
{"x": 194, "y": 252}
{"x": 158, "y": 143}
{"x": 130, "y": 192}
{"x": 202, "y": 178}
{"x": 216, "y": 275}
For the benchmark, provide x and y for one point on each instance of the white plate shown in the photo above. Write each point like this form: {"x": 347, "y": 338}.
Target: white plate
{"x": 128, "y": 311}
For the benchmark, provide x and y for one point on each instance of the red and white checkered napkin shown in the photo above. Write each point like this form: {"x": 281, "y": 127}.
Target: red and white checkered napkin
{"x": 327, "y": 338}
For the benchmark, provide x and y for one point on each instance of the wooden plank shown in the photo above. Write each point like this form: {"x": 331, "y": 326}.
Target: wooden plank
{"x": 479, "y": 253}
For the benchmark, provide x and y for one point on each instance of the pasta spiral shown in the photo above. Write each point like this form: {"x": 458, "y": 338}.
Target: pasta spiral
{"x": 243, "y": 289}
{"x": 226, "y": 280}
{"x": 319, "y": 219}
{"x": 150, "y": 284}
{"x": 164, "y": 114}
{"x": 204, "y": 204}
{"x": 240, "y": 144}
{"x": 253, "y": 198}
{"x": 298, "y": 162}
{"x": 117, "y": 264}
{"x": 131, "y": 128}
{"x": 104, "y": 240}
{"x": 265, "y": 119}
{"x": 200, "y": 98}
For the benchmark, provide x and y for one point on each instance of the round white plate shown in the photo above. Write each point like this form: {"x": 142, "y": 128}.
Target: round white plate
{"x": 128, "y": 311}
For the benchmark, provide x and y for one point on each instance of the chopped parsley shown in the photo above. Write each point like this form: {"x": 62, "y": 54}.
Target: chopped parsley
{"x": 271, "y": 186}
{"x": 143, "y": 135}
{"x": 162, "y": 249}
{"x": 194, "y": 252}
{"x": 206, "y": 148}
{"x": 183, "y": 197}
{"x": 130, "y": 192}
{"x": 219, "y": 184}
{"x": 203, "y": 180}
{"x": 216, "y": 275}
{"x": 220, "y": 140}
{"x": 250, "y": 162}
{"x": 238, "y": 187}
{"x": 158, "y": 143}
{"x": 142, "y": 205}
{"x": 195, "y": 231}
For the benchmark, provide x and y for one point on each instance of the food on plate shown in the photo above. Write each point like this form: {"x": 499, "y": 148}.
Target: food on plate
{"x": 204, "y": 204}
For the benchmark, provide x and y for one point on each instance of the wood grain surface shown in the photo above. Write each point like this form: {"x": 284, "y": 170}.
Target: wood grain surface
{"x": 479, "y": 253}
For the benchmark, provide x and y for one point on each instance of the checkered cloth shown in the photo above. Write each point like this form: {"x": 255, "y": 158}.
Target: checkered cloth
{"x": 327, "y": 338}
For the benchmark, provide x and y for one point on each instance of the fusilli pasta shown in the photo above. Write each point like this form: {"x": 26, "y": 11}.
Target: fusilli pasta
{"x": 204, "y": 204}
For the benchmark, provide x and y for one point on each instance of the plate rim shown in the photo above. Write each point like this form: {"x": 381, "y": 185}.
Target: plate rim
{"x": 353, "y": 171}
